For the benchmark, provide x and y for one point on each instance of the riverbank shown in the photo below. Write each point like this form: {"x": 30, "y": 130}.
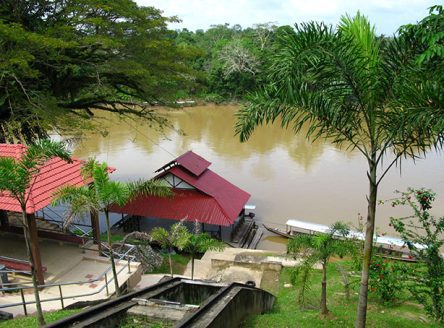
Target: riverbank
{"x": 287, "y": 313}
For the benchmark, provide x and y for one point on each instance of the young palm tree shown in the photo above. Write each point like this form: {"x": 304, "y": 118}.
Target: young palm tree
{"x": 199, "y": 243}
{"x": 16, "y": 178}
{"x": 320, "y": 248}
{"x": 101, "y": 194}
{"x": 177, "y": 237}
{"x": 356, "y": 89}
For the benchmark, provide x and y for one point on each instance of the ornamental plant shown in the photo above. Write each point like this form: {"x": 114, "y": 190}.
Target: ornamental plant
{"x": 318, "y": 248}
{"x": 423, "y": 234}
{"x": 386, "y": 279}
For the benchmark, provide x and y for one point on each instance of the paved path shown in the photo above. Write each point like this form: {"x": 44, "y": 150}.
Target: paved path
{"x": 86, "y": 270}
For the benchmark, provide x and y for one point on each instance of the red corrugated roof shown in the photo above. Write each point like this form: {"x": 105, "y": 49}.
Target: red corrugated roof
{"x": 191, "y": 161}
{"x": 230, "y": 198}
{"x": 190, "y": 204}
{"x": 53, "y": 175}
{"x": 215, "y": 200}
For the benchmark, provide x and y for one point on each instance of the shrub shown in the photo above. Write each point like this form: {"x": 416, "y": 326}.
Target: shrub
{"x": 386, "y": 279}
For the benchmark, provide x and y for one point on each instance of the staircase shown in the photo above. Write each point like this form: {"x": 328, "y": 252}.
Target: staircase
{"x": 15, "y": 219}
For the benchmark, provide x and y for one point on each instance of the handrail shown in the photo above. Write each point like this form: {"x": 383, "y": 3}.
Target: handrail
{"x": 13, "y": 259}
{"x": 62, "y": 298}
{"x": 120, "y": 257}
{"x": 72, "y": 227}
{"x": 105, "y": 273}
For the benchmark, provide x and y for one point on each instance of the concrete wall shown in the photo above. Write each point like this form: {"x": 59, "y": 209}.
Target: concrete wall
{"x": 220, "y": 265}
{"x": 233, "y": 308}
{"x": 186, "y": 293}
{"x": 135, "y": 276}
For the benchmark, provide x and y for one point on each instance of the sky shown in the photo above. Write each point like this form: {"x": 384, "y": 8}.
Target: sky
{"x": 386, "y": 15}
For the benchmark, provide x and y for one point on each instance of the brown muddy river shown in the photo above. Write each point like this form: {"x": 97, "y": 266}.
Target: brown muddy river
{"x": 287, "y": 176}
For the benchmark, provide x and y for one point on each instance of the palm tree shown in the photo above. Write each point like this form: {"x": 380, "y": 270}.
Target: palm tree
{"x": 101, "y": 194}
{"x": 356, "y": 89}
{"x": 320, "y": 248}
{"x": 177, "y": 237}
{"x": 198, "y": 243}
{"x": 16, "y": 178}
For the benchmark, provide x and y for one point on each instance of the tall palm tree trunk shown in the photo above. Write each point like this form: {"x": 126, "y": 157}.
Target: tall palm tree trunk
{"x": 170, "y": 261}
{"x": 368, "y": 246}
{"x": 38, "y": 305}
{"x": 111, "y": 254}
{"x": 192, "y": 266}
{"x": 324, "y": 310}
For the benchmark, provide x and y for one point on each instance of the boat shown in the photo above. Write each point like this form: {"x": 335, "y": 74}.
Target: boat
{"x": 387, "y": 247}
{"x": 277, "y": 231}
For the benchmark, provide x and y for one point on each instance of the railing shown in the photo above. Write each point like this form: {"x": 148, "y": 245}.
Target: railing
{"x": 20, "y": 288}
{"x": 74, "y": 228}
{"x": 106, "y": 251}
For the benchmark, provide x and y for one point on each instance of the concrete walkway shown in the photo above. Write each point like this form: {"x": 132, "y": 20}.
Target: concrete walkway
{"x": 65, "y": 263}
{"x": 86, "y": 271}
{"x": 238, "y": 265}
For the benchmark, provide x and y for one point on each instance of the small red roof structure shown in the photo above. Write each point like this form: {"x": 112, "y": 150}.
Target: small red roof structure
{"x": 199, "y": 194}
{"x": 53, "y": 174}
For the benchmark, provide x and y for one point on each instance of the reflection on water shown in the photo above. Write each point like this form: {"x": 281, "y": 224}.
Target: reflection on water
{"x": 287, "y": 176}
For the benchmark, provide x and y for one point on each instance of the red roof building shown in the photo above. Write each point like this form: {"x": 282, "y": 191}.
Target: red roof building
{"x": 53, "y": 175}
{"x": 199, "y": 194}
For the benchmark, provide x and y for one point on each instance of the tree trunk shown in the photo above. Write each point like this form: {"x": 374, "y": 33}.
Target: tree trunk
{"x": 40, "y": 318}
{"x": 192, "y": 266}
{"x": 94, "y": 216}
{"x": 324, "y": 310}
{"x": 171, "y": 262}
{"x": 111, "y": 254}
{"x": 368, "y": 246}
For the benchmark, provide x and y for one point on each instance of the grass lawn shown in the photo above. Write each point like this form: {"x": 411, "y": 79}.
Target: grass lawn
{"x": 287, "y": 313}
{"x": 31, "y": 321}
{"x": 180, "y": 262}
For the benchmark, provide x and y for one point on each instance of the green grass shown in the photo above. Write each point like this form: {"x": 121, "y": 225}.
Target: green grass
{"x": 115, "y": 237}
{"x": 180, "y": 262}
{"x": 287, "y": 313}
{"x": 31, "y": 321}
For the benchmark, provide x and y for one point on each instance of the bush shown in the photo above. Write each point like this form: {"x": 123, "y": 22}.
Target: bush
{"x": 386, "y": 279}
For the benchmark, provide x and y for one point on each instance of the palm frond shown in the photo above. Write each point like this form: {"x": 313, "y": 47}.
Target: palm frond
{"x": 11, "y": 179}
{"x": 88, "y": 167}
{"x": 113, "y": 192}
{"x": 179, "y": 235}
{"x": 80, "y": 201}
{"x": 43, "y": 150}
{"x": 161, "y": 236}
{"x": 148, "y": 188}
{"x": 100, "y": 175}
{"x": 300, "y": 242}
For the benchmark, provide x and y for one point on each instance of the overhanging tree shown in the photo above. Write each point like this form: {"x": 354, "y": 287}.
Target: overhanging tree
{"x": 16, "y": 178}
{"x": 355, "y": 89}
{"x": 62, "y": 59}
{"x": 101, "y": 194}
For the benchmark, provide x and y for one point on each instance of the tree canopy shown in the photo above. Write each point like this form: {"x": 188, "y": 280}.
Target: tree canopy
{"x": 59, "y": 60}
{"x": 231, "y": 59}
{"x": 357, "y": 89}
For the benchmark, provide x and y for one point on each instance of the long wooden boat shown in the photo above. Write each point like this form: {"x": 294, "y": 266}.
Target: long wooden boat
{"x": 388, "y": 247}
{"x": 277, "y": 231}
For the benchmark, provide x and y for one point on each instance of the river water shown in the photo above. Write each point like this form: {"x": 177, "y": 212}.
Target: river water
{"x": 286, "y": 175}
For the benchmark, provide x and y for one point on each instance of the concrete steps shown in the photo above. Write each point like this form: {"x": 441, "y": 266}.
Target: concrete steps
{"x": 15, "y": 219}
